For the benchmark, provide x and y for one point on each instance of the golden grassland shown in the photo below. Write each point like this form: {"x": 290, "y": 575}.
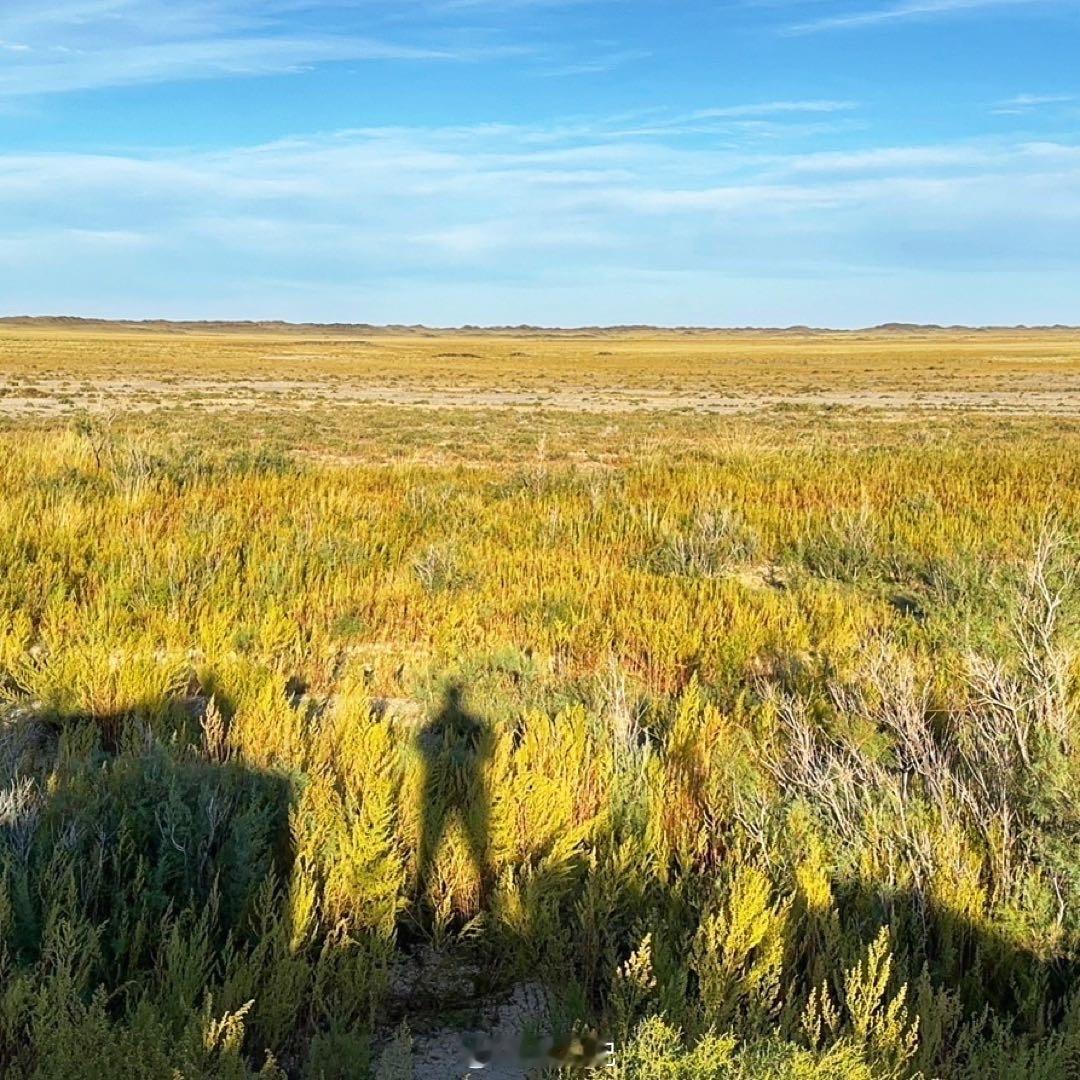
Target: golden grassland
{"x": 731, "y": 363}
{"x": 766, "y": 655}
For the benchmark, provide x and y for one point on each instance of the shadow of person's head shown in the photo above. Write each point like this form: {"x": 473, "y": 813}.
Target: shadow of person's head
{"x": 455, "y": 731}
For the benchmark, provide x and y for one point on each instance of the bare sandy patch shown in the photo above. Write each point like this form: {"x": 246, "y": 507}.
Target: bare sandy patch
{"x": 53, "y": 397}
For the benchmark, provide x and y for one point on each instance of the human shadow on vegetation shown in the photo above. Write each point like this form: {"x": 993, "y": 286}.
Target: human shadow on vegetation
{"x": 974, "y": 982}
{"x": 109, "y": 796}
{"x": 454, "y": 746}
{"x": 152, "y": 845}
{"x": 133, "y": 867}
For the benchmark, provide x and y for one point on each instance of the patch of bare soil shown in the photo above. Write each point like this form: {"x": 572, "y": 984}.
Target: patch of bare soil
{"x": 50, "y": 397}
{"x": 761, "y": 577}
{"x": 447, "y": 1031}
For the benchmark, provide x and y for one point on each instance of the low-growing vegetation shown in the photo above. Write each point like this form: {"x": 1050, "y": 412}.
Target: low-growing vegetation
{"x": 759, "y": 758}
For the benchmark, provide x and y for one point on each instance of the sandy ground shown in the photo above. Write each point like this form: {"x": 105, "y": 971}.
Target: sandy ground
{"x": 52, "y": 397}
{"x": 54, "y": 373}
{"x": 426, "y": 1046}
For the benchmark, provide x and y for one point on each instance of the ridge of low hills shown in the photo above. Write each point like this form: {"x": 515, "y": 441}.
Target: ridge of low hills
{"x": 276, "y": 326}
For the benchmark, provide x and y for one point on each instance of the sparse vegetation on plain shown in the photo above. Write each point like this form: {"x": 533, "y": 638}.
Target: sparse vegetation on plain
{"x": 722, "y": 693}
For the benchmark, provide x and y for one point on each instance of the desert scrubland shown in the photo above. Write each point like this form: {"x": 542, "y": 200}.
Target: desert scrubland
{"x": 715, "y": 693}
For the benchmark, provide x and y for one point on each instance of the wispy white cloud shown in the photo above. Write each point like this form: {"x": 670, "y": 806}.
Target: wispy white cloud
{"x": 64, "y": 45}
{"x": 656, "y": 212}
{"x": 53, "y": 46}
{"x": 509, "y": 5}
{"x": 178, "y": 60}
{"x": 904, "y": 11}
{"x": 559, "y": 222}
{"x": 600, "y": 64}
{"x": 1022, "y": 104}
{"x": 774, "y": 108}
{"x": 415, "y": 200}
{"x": 760, "y": 120}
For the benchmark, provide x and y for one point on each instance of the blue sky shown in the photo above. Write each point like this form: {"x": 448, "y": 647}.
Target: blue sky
{"x": 736, "y": 162}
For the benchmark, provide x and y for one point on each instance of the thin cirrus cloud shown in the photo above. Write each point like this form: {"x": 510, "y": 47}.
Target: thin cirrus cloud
{"x": 905, "y": 11}
{"x": 73, "y": 45}
{"x": 528, "y": 207}
{"x": 773, "y": 108}
{"x": 599, "y": 64}
{"x": 654, "y": 190}
{"x": 57, "y": 46}
{"x": 1024, "y": 104}
{"x": 760, "y": 119}
{"x": 179, "y": 60}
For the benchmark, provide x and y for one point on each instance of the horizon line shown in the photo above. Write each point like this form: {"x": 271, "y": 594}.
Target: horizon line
{"x": 520, "y": 329}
